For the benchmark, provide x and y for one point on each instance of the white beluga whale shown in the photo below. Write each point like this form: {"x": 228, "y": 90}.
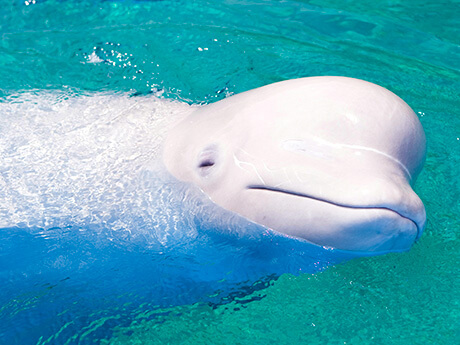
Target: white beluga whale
{"x": 330, "y": 160}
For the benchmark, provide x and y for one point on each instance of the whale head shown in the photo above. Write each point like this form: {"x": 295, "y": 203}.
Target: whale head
{"x": 330, "y": 160}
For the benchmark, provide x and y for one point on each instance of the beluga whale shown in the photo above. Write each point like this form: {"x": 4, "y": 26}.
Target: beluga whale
{"x": 329, "y": 160}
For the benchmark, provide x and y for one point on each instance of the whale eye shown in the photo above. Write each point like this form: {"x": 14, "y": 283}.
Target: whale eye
{"x": 206, "y": 163}
{"x": 207, "y": 160}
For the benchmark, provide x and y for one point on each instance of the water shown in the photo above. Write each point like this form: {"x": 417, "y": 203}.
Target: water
{"x": 96, "y": 277}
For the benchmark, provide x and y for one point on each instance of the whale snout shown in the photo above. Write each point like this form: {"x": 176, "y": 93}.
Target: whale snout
{"x": 330, "y": 196}
{"x": 327, "y": 223}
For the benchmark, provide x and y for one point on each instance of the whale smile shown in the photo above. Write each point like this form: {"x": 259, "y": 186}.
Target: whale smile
{"x": 331, "y": 202}
{"x": 351, "y": 227}
{"x": 303, "y": 195}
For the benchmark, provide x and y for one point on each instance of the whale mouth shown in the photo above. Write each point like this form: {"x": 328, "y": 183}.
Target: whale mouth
{"x": 304, "y": 195}
{"x": 291, "y": 193}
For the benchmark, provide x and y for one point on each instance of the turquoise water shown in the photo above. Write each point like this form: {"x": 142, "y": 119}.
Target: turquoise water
{"x": 200, "y": 52}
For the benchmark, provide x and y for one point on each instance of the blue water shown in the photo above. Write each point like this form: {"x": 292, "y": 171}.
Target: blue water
{"x": 116, "y": 256}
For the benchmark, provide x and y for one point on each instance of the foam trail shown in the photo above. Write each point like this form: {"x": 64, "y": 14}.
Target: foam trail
{"x": 92, "y": 159}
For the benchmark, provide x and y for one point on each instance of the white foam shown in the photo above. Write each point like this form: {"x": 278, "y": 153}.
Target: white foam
{"x": 89, "y": 159}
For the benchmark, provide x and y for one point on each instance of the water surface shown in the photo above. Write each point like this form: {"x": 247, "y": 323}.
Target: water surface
{"x": 199, "y": 52}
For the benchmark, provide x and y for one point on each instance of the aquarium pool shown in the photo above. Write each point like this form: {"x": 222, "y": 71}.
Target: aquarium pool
{"x": 116, "y": 277}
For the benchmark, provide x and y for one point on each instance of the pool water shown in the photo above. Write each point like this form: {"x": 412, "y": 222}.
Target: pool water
{"x": 91, "y": 264}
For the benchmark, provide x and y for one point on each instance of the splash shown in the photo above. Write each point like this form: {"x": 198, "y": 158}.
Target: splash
{"x": 88, "y": 159}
